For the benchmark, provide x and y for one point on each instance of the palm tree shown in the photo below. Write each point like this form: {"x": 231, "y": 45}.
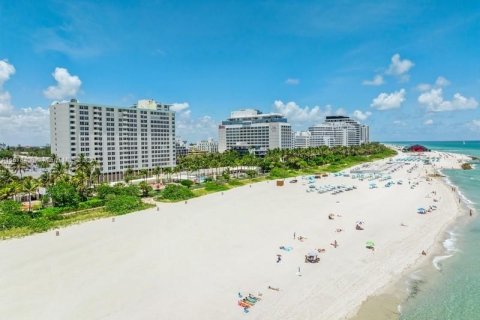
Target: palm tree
{"x": 157, "y": 171}
{"x": 128, "y": 175}
{"x": 144, "y": 173}
{"x": 9, "y": 190}
{"x": 19, "y": 165}
{"x": 29, "y": 185}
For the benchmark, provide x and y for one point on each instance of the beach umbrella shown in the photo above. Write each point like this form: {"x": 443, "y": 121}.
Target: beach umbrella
{"x": 312, "y": 253}
{"x": 370, "y": 244}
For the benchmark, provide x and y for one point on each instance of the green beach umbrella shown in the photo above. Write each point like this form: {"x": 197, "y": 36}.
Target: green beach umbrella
{"x": 370, "y": 244}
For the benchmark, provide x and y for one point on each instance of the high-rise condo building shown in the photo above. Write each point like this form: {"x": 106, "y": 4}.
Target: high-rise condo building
{"x": 339, "y": 131}
{"x": 256, "y": 131}
{"x": 302, "y": 139}
{"x": 118, "y": 138}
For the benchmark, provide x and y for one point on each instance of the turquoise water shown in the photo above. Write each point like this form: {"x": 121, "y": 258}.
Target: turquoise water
{"x": 454, "y": 292}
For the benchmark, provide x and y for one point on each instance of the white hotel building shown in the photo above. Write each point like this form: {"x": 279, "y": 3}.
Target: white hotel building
{"x": 138, "y": 137}
{"x": 336, "y": 131}
{"x": 253, "y": 130}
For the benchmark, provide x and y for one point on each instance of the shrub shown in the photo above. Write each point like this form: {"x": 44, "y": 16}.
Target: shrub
{"x": 10, "y": 207}
{"x": 279, "y": 173}
{"x": 51, "y": 213}
{"x": 176, "y": 192}
{"x": 121, "y": 204}
{"x": 91, "y": 203}
{"x": 186, "y": 183}
{"x": 226, "y": 175}
{"x": 63, "y": 195}
{"x": 119, "y": 189}
{"x": 251, "y": 173}
{"x": 40, "y": 224}
{"x": 8, "y": 221}
{"x": 235, "y": 183}
{"x": 145, "y": 188}
{"x": 215, "y": 186}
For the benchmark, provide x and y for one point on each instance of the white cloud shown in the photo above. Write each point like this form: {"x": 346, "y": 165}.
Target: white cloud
{"x": 297, "y": 115}
{"x": 193, "y": 128}
{"x": 399, "y": 67}
{"x": 292, "y": 81}
{"x": 362, "y": 116}
{"x": 6, "y": 70}
{"x": 376, "y": 81}
{"x": 385, "y": 101}
{"x": 428, "y": 122}
{"x": 474, "y": 125}
{"x": 400, "y": 123}
{"x": 26, "y": 126}
{"x": 434, "y": 101}
{"x": 424, "y": 87}
{"x": 442, "y": 82}
{"x": 67, "y": 85}
{"x": 178, "y": 107}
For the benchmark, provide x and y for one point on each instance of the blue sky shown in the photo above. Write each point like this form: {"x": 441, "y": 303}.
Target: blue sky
{"x": 409, "y": 69}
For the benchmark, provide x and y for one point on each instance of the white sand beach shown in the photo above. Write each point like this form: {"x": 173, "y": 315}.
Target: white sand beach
{"x": 190, "y": 261}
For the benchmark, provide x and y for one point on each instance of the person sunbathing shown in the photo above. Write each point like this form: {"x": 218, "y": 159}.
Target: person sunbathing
{"x": 339, "y": 230}
{"x": 272, "y": 288}
{"x": 251, "y": 296}
{"x": 300, "y": 238}
{"x": 243, "y": 304}
{"x": 245, "y": 300}
{"x": 320, "y": 250}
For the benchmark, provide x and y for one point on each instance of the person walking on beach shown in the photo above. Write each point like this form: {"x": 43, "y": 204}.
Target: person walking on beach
{"x": 298, "y": 272}
{"x": 294, "y": 234}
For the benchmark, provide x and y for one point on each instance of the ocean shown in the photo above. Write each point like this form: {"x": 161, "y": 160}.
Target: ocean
{"x": 451, "y": 289}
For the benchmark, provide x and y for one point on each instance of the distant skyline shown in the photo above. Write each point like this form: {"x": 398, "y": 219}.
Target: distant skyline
{"x": 409, "y": 69}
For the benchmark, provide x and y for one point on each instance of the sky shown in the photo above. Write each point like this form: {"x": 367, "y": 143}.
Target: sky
{"x": 409, "y": 69}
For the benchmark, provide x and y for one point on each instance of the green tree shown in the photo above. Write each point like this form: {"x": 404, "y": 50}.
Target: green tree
{"x": 186, "y": 183}
{"x": 30, "y": 186}
{"x": 19, "y": 165}
{"x": 145, "y": 188}
{"x": 63, "y": 194}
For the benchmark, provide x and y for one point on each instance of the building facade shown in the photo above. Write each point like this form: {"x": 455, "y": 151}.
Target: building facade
{"x": 118, "y": 138}
{"x": 339, "y": 131}
{"x": 303, "y": 139}
{"x": 181, "y": 148}
{"x": 208, "y": 146}
{"x": 256, "y": 131}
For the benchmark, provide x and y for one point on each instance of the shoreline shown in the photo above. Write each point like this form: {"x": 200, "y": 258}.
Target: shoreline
{"x": 220, "y": 245}
{"x": 386, "y": 303}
